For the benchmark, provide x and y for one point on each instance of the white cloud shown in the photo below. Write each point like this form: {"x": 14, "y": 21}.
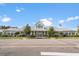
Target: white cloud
{"x": 19, "y": 9}
{"x": 6, "y": 19}
{"x": 22, "y": 8}
{"x": 76, "y": 17}
{"x": 50, "y": 19}
{"x": 72, "y": 18}
{"x": 46, "y": 21}
{"x": 61, "y": 21}
{"x": 69, "y": 19}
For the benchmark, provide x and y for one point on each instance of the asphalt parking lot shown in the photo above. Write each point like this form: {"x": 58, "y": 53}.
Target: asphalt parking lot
{"x": 36, "y": 46}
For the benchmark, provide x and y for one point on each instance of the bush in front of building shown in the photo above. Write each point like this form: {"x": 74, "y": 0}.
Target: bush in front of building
{"x": 4, "y": 35}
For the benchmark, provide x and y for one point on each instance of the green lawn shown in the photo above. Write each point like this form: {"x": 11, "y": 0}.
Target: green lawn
{"x": 61, "y": 38}
{"x": 28, "y": 38}
{"x": 14, "y": 38}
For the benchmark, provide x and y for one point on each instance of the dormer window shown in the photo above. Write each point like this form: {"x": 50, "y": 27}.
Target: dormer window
{"x": 39, "y": 25}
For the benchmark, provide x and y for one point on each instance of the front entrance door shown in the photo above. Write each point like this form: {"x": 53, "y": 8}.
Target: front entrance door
{"x": 39, "y": 34}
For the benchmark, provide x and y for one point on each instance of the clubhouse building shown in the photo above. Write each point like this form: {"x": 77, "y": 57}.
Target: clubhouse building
{"x": 39, "y": 30}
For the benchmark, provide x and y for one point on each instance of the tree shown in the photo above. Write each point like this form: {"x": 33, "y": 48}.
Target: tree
{"x": 5, "y": 27}
{"x": 27, "y": 30}
{"x": 51, "y": 32}
{"x": 4, "y": 30}
{"x": 0, "y": 34}
{"x": 61, "y": 34}
{"x": 17, "y": 33}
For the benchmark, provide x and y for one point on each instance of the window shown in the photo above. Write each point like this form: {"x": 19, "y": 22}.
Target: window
{"x": 39, "y": 24}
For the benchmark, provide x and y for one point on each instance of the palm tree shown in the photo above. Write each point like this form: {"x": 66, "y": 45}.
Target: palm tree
{"x": 51, "y": 32}
{"x": 27, "y": 30}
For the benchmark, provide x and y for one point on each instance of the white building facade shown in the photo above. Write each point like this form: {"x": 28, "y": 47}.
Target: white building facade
{"x": 39, "y": 30}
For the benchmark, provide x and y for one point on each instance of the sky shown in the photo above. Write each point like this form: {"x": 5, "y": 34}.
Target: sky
{"x": 51, "y": 14}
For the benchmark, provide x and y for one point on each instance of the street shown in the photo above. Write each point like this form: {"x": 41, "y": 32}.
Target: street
{"x": 34, "y": 47}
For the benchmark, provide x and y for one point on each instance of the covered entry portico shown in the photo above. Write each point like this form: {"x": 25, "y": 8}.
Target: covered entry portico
{"x": 39, "y": 31}
{"x": 39, "y": 34}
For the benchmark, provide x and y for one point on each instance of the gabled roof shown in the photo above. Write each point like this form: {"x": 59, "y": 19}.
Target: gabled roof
{"x": 14, "y": 29}
{"x": 63, "y": 29}
{"x": 39, "y": 24}
{"x": 38, "y": 29}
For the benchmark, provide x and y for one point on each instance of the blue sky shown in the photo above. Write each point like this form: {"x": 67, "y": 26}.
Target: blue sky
{"x": 19, "y": 14}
